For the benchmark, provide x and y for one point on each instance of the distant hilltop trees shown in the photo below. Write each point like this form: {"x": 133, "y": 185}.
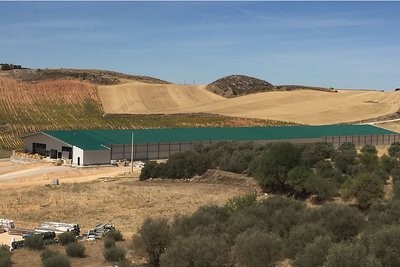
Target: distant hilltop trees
{"x": 6, "y": 66}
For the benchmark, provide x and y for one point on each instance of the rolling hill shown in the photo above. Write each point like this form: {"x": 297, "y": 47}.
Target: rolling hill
{"x": 300, "y": 106}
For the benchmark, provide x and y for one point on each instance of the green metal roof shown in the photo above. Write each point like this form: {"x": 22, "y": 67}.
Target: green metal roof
{"x": 100, "y": 139}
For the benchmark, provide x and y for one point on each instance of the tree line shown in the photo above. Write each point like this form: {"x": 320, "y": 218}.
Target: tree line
{"x": 251, "y": 233}
{"x": 316, "y": 170}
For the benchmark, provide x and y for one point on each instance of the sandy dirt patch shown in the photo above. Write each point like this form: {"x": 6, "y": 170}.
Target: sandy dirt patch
{"x": 301, "y": 106}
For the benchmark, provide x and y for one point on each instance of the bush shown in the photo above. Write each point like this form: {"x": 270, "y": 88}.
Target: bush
{"x": 315, "y": 253}
{"x": 396, "y": 190}
{"x": 34, "y": 242}
{"x": 114, "y": 254}
{"x": 240, "y": 202}
{"x": 150, "y": 170}
{"x": 66, "y": 238}
{"x": 109, "y": 242}
{"x": 47, "y": 253}
{"x": 349, "y": 254}
{"x": 197, "y": 250}
{"x": 57, "y": 260}
{"x": 341, "y": 221}
{"x": 5, "y": 256}
{"x": 152, "y": 238}
{"x": 366, "y": 188}
{"x": 75, "y": 249}
{"x": 385, "y": 245}
{"x": 394, "y": 150}
{"x": 255, "y": 248}
{"x": 388, "y": 163}
{"x": 115, "y": 234}
{"x": 321, "y": 187}
{"x": 302, "y": 235}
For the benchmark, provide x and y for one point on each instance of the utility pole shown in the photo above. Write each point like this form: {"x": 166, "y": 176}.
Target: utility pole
{"x": 132, "y": 153}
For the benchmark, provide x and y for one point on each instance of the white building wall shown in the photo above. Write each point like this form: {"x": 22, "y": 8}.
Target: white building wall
{"x": 77, "y": 153}
{"x": 51, "y": 143}
{"x": 92, "y": 157}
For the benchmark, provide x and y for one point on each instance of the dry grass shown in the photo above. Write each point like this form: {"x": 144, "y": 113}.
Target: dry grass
{"x": 301, "y": 106}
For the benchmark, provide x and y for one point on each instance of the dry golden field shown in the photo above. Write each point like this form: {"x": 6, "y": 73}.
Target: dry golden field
{"x": 300, "y": 106}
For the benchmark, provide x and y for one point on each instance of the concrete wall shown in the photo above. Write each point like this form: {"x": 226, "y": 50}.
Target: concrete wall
{"x": 77, "y": 153}
{"x": 93, "y": 157}
{"x": 51, "y": 143}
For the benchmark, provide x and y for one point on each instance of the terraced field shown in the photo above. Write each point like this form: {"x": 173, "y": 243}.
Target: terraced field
{"x": 69, "y": 104}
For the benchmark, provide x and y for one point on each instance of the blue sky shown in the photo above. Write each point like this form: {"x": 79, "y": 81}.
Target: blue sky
{"x": 333, "y": 44}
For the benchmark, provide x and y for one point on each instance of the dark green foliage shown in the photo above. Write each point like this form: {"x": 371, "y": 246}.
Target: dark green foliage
{"x": 321, "y": 187}
{"x": 369, "y": 156}
{"x": 153, "y": 238}
{"x": 342, "y": 222}
{"x": 75, "y": 249}
{"x": 394, "y": 150}
{"x": 385, "y": 245}
{"x": 350, "y": 255}
{"x": 241, "y": 202}
{"x": 395, "y": 173}
{"x": 196, "y": 250}
{"x": 301, "y": 235}
{"x": 345, "y": 157}
{"x": 316, "y": 152}
{"x": 109, "y": 242}
{"x": 314, "y": 254}
{"x": 66, "y": 238}
{"x": 297, "y": 178}
{"x": 56, "y": 260}
{"x": 47, "y": 253}
{"x": 115, "y": 234}
{"x": 388, "y": 163}
{"x": 255, "y": 248}
{"x": 365, "y": 188}
{"x": 275, "y": 163}
{"x": 396, "y": 190}
{"x": 5, "y": 256}
{"x": 114, "y": 254}
{"x": 383, "y": 214}
{"x": 34, "y": 242}
{"x": 150, "y": 170}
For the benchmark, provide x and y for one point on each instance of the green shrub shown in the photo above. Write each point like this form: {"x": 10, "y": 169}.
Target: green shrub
{"x": 342, "y": 222}
{"x": 396, "y": 190}
{"x": 34, "y": 242}
{"x": 66, "y": 238}
{"x": 385, "y": 245}
{"x": 75, "y": 249}
{"x": 5, "y": 256}
{"x": 47, "y": 253}
{"x": 57, "y": 260}
{"x": 114, "y": 254}
{"x": 302, "y": 235}
{"x": 115, "y": 234}
{"x": 109, "y": 242}
{"x": 200, "y": 249}
{"x": 152, "y": 238}
{"x": 350, "y": 254}
{"x": 240, "y": 202}
{"x": 314, "y": 254}
{"x": 394, "y": 150}
{"x": 255, "y": 248}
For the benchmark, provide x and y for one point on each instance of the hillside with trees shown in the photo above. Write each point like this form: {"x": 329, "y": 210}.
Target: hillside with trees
{"x": 283, "y": 230}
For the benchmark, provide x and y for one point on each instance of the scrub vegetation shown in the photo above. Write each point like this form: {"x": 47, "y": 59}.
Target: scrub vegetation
{"x": 274, "y": 230}
{"x": 317, "y": 171}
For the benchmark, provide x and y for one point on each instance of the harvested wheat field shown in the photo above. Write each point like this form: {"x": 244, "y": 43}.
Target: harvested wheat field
{"x": 301, "y": 106}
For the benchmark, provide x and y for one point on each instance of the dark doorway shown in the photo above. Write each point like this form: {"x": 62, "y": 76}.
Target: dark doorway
{"x": 38, "y": 148}
{"x": 79, "y": 161}
{"x": 53, "y": 153}
{"x": 59, "y": 155}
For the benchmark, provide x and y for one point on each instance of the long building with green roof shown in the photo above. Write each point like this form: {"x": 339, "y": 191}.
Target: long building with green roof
{"x": 87, "y": 147}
